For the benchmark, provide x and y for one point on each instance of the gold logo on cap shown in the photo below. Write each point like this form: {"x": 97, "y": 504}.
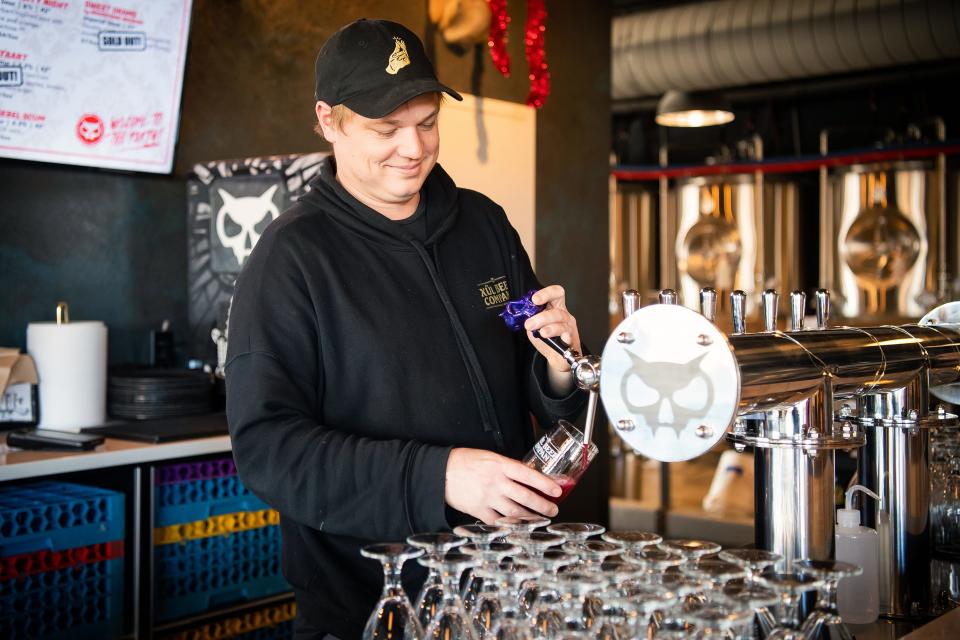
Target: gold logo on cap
{"x": 399, "y": 58}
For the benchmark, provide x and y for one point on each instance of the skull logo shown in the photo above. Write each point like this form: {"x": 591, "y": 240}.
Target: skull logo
{"x": 675, "y": 390}
{"x": 248, "y": 213}
{"x": 90, "y": 128}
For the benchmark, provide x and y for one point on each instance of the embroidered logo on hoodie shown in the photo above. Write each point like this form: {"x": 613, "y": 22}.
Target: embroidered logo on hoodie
{"x": 495, "y": 292}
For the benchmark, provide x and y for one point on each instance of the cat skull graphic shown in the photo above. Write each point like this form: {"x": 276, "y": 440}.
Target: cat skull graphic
{"x": 248, "y": 213}
{"x": 677, "y": 386}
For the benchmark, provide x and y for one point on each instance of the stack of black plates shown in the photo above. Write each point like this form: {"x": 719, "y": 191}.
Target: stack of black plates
{"x": 144, "y": 393}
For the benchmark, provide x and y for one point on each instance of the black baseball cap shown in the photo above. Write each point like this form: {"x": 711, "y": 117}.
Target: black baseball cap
{"x": 374, "y": 66}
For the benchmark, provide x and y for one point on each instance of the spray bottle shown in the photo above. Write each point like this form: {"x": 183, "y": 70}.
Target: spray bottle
{"x": 858, "y": 597}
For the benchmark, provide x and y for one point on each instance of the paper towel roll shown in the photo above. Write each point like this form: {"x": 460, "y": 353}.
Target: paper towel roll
{"x": 72, "y": 366}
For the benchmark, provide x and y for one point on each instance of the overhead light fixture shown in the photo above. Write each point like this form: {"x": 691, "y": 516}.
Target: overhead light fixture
{"x": 699, "y": 109}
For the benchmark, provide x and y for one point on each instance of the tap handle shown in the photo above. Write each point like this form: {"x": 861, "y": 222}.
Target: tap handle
{"x": 822, "y": 299}
{"x": 798, "y": 305}
{"x": 668, "y": 296}
{"x": 708, "y": 303}
{"x": 770, "y": 299}
{"x": 631, "y": 301}
{"x": 738, "y": 307}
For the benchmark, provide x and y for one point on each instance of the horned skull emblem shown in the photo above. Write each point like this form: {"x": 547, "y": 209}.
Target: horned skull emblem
{"x": 679, "y": 393}
{"x": 248, "y": 213}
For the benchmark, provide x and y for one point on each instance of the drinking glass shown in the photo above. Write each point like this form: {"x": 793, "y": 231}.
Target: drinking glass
{"x": 481, "y": 536}
{"x": 522, "y": 524}
{"x": 591, "y": 552}
{"x": 451, "y": 620}
{"x": 649, "y": 599}
{"x": 434, "y": 545}
{"x": 690, "y": 549}
{"x": 654, "y": 561}
{"x": 714, "y": 573}
{"x": 790, "y": 586}
{"x": 576, "y": 531}
{"x": 542, "y": 592}
{"x": 563, "y": 455}
{"x": 512, "y": 624}
{"x": 575, "y": 588}
{"x": 824, "y": 621}
{"x": 632, "y": 540}
{"x": 755, "y": 561}
{"x": 746, "y": 593}
{"x": 393, "y": 617}
{"x": 715, "y": 620}
{"x": 481, "y": 597}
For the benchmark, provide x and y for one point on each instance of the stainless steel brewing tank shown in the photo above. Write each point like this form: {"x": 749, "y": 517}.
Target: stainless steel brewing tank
{"x": 880, "y": 226}
{"x": 730, "y": 232}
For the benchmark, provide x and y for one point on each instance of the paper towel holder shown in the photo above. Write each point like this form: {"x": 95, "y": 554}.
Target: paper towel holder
{"x": 63, "y": 313}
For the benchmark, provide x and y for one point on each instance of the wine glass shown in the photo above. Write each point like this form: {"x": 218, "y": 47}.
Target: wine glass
{"x": 393, "y": 617}
{"x": 562, "y": 454}
{"x": 575, "y": 588}
{"x": 434, "y": 545}
{"x": 824, "y": 621}
{"x": 632, "y": 540}
{"x": 690, "y": 549}
{"x": 512, "y": 624}
{"x": 522, "y": 524}
{"x": 539, "y": 598}
{"x": 755, "y": 561}
{"x": 654, "y": 561}
{"x": 716, "y": 620}
{"x": 591, "y": 552}
{"x": 576, "y": 531}
{"x": 713, "y": 573}
{"x": 744, "y": 592}
{"x": 790, "y": 586}
{"x": 481, "y": 536}
{"x": 451, "y": 621}
{"x": 485, "y": 601}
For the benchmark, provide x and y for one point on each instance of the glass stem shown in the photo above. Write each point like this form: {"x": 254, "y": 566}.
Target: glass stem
{"x": 790, "y": 615}
{"x": 828, "y": 597}
{"x": 391, "y": 578}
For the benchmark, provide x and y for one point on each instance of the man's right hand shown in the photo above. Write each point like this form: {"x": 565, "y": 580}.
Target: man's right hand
{"x": 487, "y": 486}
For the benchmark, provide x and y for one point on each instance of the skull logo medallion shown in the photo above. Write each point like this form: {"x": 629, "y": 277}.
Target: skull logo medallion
{"x": 250, "y": 214}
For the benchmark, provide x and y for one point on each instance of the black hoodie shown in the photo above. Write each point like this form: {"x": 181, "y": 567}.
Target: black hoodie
{"x": 358, "y": 358}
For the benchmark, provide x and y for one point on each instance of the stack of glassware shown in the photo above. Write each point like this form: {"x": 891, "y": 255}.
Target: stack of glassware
{"x": 526, "y": 579}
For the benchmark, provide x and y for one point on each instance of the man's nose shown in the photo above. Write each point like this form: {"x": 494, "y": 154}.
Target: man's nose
{"x": 410, "y": 144}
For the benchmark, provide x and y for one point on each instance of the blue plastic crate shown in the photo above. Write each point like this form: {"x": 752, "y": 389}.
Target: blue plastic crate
{"x": 194, "y": 500}
{"x": 184, "y": 559}
{"x": 58, "y": 516}
{"x": 84, "y": 601}
{"x": 224, "y": 595}
{"x": 282, "y": 631}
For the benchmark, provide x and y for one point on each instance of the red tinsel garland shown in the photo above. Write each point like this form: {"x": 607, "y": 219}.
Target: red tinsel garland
{"x": 533, "y": 42}
{"x": 536, "y": 56}
{"x": 498, "y": 36}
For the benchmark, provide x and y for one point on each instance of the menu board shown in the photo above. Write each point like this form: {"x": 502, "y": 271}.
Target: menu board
{"x": 92, "y": 83}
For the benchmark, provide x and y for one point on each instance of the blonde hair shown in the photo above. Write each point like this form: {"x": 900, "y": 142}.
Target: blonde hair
{"x": 341, "y": 114}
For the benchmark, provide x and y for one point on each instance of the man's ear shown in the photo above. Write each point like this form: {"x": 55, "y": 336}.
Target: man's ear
{"x": 323, "y": 111}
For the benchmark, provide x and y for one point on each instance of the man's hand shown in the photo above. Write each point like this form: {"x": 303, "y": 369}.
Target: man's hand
{"x": 487, "y": 486}
{"x": 554, "y": 321}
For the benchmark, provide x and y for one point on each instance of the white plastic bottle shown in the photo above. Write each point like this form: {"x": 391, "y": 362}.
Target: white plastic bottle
{"x": 858, "y": 597}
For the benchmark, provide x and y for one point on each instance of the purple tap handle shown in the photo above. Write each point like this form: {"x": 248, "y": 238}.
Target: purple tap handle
{"x": 516, "y": 313}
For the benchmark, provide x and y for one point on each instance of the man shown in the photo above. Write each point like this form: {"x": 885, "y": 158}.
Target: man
{"x": 372, "y": 390}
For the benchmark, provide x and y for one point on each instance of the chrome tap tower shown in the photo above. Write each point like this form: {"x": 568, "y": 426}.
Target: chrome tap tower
{"x": 673, "y": 385}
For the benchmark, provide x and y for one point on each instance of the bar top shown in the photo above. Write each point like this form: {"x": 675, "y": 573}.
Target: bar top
{"x": 17, "y": 464}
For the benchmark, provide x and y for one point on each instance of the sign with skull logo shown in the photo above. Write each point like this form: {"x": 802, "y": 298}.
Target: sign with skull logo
{"x": 243, "y": 207}
{"x": 669, "y": 382}
{"x": 229, "y": 204}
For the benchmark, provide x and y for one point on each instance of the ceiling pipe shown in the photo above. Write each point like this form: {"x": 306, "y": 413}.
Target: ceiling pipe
{"x": 734, "y": 43}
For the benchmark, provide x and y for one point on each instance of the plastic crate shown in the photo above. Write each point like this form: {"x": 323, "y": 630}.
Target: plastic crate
{"x": 27, "y": 564}
{"x": 56, "y": 516}
{"x": 83, "y": 601}
{"x": 215, "y": 526}
{"x": 181, "y": 502}
{"x": 184, "y": 559}
{"x": 191, "y": 471}
{"x": 274, "y": 621}
{"x": 223, "y": 596}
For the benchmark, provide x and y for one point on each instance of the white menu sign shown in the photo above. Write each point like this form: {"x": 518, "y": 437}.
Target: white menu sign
{"x": 92, "y": 83}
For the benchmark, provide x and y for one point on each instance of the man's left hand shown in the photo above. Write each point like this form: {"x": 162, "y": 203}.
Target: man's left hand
{"x": 555, "y": 321}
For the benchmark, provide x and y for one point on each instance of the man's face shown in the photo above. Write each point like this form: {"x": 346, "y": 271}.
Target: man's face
{"x": 385, "y": 161}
